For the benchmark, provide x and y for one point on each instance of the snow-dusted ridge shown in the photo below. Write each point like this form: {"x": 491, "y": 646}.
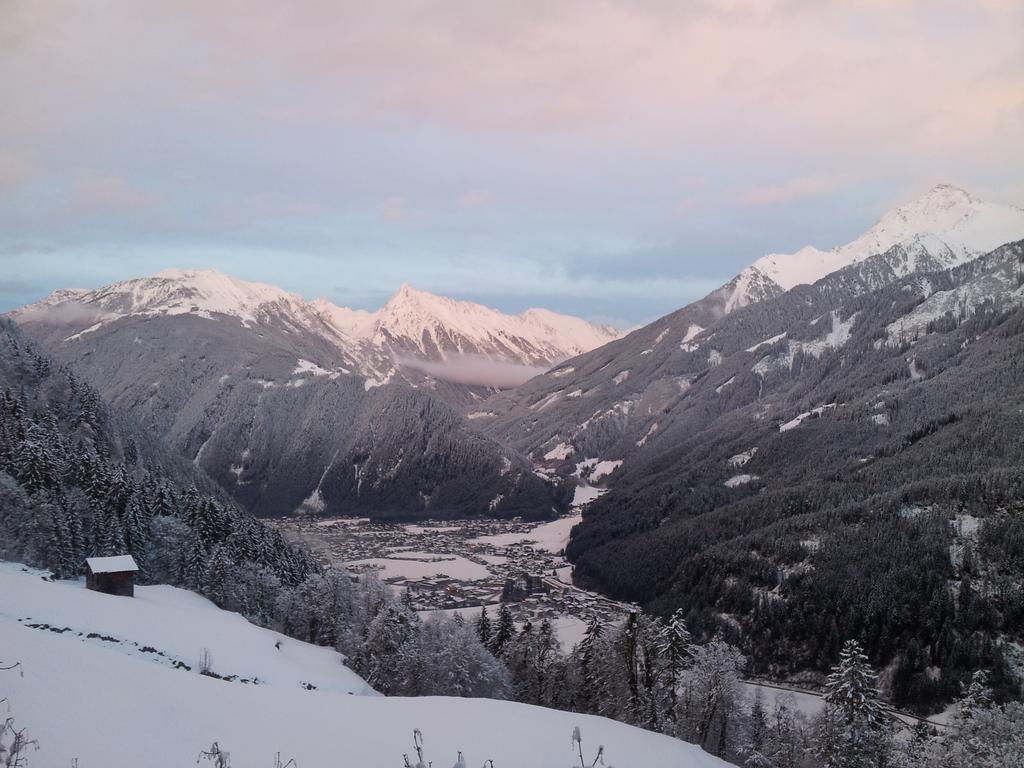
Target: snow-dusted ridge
{"x": 113, "y": 700}
{"x": 412, "y": 327}
{"x": 947, "y": 224}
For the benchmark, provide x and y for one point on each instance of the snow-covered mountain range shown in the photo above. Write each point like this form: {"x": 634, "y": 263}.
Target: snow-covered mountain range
{"x": 286, "y": 406}
{"x": 438, "y": 337}
{"x": 944, "y": 227}
{"x": 290, "y": 403}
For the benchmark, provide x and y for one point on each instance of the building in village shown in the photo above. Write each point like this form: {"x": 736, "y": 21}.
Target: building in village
{"x": 523, "y": 586}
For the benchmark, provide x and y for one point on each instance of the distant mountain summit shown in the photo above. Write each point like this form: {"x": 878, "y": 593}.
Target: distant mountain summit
{"x": 420, "y": 331}
{"x": 944, "y": 227}
{"x": 460, "y": 341}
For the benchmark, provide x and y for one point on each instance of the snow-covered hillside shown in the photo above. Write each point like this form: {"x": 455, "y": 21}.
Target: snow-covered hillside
{"x": 114, "y": 682}
{"x": 947, "y": 224}
{"x": 413, "y": 328}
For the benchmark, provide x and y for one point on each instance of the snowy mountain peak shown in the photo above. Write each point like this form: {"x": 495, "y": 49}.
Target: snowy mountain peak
{"x": 405, "y": 294}
{"x": 438, "y": 326}
{"x": 408, "y": 303}
{"x": 943, "y": 210}
{"x": 220, "y": 291}
{"x": 946, "y": 223}
{"x": 940, "y": 197}
{"x": 175, "y": 292}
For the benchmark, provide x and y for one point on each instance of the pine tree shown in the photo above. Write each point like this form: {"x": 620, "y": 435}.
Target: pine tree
{"x": 136, "y": 529}
{"x": 531, "y": 658}
{"x": 756, "y": 747}
{"x": 483, "y": 627}
{"x": 114, "y": 527}
{"x": 100, "y": 488}
{"x": 548, "y": 650}
{"x": 584, "y": 656}
{"x": 107, "y": 537}
{"x": 676, "y": 646}
{"x": 628, "y": 645}
{"x": 519, "y": 654}
{"x": 61, "y": 553}
{"x": 193, "y": 566}
{"x": 76, "y": 539}
{"x": 164, "y": 502}
{"x": 675, "y": 643}
{"x": 505, "y": 632}
{"x": 977, "y": 696}
{"x": 205, "y": 520}
{"x": 850, "y": 689}
{"x": 716, "y": 693}
{"x": 119, "y": 488}
{"x": 851, "y": 730}
{"x": 85, "y": 469}
{"x": 217, "y": 576}
{"x": 38, "y": 467}
{"x": 387, "y": 635}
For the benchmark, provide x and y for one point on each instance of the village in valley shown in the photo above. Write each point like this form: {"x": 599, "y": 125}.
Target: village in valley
{"x": 460, "y": 566}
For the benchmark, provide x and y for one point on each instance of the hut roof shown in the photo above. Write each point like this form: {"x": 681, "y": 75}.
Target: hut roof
{"x": 116, "y": 564}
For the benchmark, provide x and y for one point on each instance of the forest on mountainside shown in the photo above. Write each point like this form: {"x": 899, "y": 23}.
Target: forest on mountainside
{"x": 847, "y": 524}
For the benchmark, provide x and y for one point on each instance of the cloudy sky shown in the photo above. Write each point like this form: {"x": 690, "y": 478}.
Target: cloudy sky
{"x": 610, "y": 159}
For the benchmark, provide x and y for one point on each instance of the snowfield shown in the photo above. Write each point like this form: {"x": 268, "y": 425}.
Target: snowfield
{"x": 416, "y": 566}
{"x": 109, "y": 701}
{"x": 737, "y": 480}
{"x": 550, "y": 537}
{"x": 175, "y": 623}
{"x": 801, "y": 418}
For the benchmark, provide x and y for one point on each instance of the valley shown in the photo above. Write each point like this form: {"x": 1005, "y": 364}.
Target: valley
{"x": 462, "y": 566}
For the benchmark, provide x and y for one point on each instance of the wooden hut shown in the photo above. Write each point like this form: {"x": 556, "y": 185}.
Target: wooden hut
{"x": 112, "y": 575}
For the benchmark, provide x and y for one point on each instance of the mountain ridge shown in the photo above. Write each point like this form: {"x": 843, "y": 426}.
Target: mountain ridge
{"x": 946, "y": 223}
{"x": 411, "y": 325}
{"x": 607, "y": 396}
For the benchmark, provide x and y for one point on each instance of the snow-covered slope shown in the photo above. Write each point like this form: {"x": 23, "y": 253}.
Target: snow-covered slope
{"x": 100, "y": 691}
{"x": 412, "y": 327}
{"x": 946, "y": 225}
{"x": 165, "y": 627}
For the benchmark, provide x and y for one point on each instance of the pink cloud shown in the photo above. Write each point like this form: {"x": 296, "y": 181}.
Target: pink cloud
{"x": 797, "y": 74}
{"x": 93, "y": 192}
{"x": 476, "y": 198}
{"x": 14, "y": 171}
{"x": 687, "y": 205}
{"x": 396, "y": 209}
{"x": 722, "y": 81}
{"x": 802, "y": 188}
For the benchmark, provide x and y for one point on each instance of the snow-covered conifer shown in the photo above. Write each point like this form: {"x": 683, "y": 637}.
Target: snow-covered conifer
{"x": 505, "y": 631}
{"x": 851, "y": 732}
{"x": 483, "y": 627}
